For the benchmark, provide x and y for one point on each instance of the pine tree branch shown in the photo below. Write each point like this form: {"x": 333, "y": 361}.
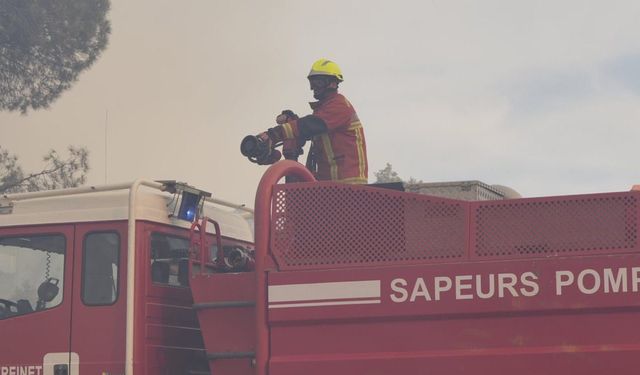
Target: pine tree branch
{"x": 32, "y": 177}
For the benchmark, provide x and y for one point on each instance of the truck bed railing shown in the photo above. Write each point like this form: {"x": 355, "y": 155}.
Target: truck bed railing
{"x": 327, "y": 225}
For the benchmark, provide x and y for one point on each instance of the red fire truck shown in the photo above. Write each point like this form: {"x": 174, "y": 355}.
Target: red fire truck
{"x": 159, "y": 278}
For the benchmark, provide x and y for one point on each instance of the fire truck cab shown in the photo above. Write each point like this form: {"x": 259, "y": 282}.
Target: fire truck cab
{"x": 95, "y": 280}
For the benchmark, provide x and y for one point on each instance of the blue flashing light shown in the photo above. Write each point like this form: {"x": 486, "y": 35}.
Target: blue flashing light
{"x": 189, "y": 206}
{"x": 190, "y": 214}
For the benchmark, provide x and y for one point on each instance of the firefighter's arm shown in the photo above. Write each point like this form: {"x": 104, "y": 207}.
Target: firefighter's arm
{"x": 294, "y": 133}
{"x": 336, "y": 114}
{"x": 302, "y": 129}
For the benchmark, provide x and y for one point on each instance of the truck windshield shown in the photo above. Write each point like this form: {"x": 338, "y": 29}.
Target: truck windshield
{"x": 31, "y": 273}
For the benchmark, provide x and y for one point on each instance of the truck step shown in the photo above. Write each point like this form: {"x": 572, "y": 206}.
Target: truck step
{"x": 227, "y": 320}
{"x": 223, "y": 304}
{"x": 230, "y": 355}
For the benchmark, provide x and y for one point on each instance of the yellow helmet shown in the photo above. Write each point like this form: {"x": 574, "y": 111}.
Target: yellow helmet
{"x": 324, "y": 67}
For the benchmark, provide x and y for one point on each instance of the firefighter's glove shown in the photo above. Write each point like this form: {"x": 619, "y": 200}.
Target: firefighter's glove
{"x": 286, "y": 116}
{"x": 268, "y": 154}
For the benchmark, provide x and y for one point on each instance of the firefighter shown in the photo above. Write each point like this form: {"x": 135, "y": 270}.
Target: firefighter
{"x": 338, "y": 151}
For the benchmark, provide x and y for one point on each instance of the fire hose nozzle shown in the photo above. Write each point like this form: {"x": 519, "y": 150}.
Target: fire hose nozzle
{"x": 259, "y": 151}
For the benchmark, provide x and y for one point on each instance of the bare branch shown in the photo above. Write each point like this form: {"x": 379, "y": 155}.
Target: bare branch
{"x": 57, "y": 174}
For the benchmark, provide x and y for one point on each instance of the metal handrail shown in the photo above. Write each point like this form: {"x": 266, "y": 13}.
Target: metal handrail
{"x": 262, "y": 218}
{"x": 198, "y": 240}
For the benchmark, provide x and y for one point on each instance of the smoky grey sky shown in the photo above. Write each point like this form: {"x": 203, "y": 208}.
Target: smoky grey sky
{"x": 542, "y": 96}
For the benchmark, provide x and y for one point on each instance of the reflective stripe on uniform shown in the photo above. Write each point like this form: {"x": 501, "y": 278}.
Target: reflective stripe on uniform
{"x": 361, "y": 156}
{"x": 328, "y": 151}
{"x": 288, "y": 130}
{"x": 355, "y": 125}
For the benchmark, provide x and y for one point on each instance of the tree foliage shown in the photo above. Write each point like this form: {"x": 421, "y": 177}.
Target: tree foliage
{"x": 59, "y": 171}
{"x": 387, "y": 174}
{"x": 45, "y": 45}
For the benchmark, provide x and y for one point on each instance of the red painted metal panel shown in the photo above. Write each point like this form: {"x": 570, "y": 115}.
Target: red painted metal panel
{"x": 167, "y": 360}
{"x": 549, "y": 326}
{"x": 618, "y": 362}
{"x": 544, "y": 285}
{"x": 98, "y": 332}
{"x": 229, "y": 329}
{"x": 26, "y": 339}
{"x": 379, "y": 282}
{"x": 142, "y": 362}
{"x": 560, "y": 284}
{"x": 168, "y": 338}
{"x": 226, "y": 330}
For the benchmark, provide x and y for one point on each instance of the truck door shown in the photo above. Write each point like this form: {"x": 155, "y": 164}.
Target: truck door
{"x": 36, "y": 273}
{"x": 99, "y": 300}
